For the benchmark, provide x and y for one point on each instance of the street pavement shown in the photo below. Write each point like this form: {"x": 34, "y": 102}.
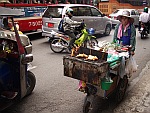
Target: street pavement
{"x": 137, "y": 99}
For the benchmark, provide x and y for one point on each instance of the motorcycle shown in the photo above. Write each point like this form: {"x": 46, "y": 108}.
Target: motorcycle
{"x": 84, "y": 37}
{"x": 143, "y": 31}
{"x": 16, "y": 80}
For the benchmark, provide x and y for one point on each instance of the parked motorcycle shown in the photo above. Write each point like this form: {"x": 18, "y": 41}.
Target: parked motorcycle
{"x": 16, "y": 80}
{"x": 143, "y": 31}
{"x": 84, "y": 37}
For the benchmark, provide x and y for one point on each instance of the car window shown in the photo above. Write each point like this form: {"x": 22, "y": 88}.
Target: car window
{"x": 54, "y": 12}
{"x": 137, "y": 13}
{"x": 95, "y": 12}
{"x": 116, "y": 11}
{"x": 81, "y": 11}
{"x": 75, "y": 11}
{"x": 133, "y": 12}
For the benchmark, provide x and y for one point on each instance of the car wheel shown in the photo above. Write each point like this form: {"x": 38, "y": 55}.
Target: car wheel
{"x": 107, "y": 30}
{"x": 113, "y": 26}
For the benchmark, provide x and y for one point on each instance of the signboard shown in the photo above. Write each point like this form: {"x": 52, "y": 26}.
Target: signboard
{"x": 144, "y": 2}
{"x": 34, "y": 11}
{"x": 31, "y": 11}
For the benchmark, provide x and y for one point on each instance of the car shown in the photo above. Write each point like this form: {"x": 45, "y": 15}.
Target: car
{"x": 133, "y": 12}
{"x": 93, "y": 18}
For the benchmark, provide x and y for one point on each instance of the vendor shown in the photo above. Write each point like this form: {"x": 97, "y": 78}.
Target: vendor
{"x": 125, "y": 32}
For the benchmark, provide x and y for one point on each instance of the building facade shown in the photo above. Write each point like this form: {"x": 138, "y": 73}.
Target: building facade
{"x": 109, "y": 6}
{"x": 91, "y": 2}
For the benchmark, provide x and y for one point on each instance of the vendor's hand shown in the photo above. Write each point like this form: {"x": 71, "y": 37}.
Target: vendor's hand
{"x": 132, "y": 53}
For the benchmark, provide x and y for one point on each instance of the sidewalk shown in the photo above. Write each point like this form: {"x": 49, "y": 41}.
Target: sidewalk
{"x": 138, "y": 99}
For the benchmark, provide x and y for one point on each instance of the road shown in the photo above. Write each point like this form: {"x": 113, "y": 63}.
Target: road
{"x": 55, "y": 93}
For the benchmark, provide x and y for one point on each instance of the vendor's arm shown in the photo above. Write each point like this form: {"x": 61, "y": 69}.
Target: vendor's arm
{"x": 115, "y": 33}
{"x": 133, "y": 38}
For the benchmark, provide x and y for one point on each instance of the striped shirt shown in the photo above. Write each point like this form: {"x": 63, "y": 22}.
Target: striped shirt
{"x": 69, "y": 24}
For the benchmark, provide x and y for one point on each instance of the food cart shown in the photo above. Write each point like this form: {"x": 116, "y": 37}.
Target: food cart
{"x": 100, "y": 77}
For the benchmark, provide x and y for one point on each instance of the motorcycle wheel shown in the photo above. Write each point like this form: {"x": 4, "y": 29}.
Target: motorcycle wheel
{"x": 56, "y": 45}
{"x": 142, "y": 35}
{"x": 92, "y": 104}
{"x": 31, "y": 81}
{"x": 91, "y": 43}
{"x": 121, "y": 89}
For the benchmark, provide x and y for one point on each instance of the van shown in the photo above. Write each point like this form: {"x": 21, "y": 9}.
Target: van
{"x": 93, "y": 18}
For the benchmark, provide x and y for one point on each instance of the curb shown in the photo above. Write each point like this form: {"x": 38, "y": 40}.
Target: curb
{"x": 137, "y": 99}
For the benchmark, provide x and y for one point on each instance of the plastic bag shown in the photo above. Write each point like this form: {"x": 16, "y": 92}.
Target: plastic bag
{"x": 122, "y": 67}
{"x": 131, "y": 66}
{"x": 60, "y": 26}
{"x": 82, "y": 86}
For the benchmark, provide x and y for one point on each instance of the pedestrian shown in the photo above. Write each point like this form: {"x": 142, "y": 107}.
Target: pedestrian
{"x": 125, "y": 32}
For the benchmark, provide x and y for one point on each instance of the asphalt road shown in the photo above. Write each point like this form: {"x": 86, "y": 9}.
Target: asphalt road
{"x": 55, "y": 93}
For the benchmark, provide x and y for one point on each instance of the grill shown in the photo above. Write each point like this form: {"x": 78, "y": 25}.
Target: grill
{"x": 86, "y": 70}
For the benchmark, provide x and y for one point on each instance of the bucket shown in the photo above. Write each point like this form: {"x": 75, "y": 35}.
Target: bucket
{"x": 105, "y": 85}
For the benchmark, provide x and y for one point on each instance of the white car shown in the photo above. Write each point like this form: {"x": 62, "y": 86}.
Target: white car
{"x": 133, "y": 12}
{"x": 92, "y": 16}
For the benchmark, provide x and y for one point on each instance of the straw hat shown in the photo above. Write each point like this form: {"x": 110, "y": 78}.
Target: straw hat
{"x": 126, "y": 13}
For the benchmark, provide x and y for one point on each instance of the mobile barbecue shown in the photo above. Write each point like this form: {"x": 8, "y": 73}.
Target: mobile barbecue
{"x": 99, "y": 73}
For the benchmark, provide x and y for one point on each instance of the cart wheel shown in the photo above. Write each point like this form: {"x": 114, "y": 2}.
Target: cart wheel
{"x": 92, "y": 104}
{"x": 31, "y": 81}
{"x": 121, "y": 89}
